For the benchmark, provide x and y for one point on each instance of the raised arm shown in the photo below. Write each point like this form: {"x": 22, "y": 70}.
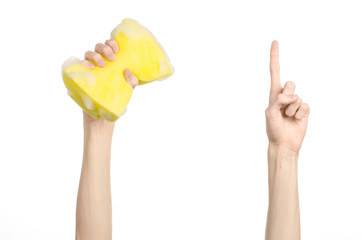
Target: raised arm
{"x": 94, "y": 205}
{"x": 286, "y": 125}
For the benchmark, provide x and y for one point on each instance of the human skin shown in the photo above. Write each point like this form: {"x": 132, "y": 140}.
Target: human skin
{"x": 94, "y": 203}
{"x": 286, "y": 125}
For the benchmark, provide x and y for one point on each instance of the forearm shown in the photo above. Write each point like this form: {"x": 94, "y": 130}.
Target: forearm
{"x": 94, "y": 206}
{"x": 283, "y": 222}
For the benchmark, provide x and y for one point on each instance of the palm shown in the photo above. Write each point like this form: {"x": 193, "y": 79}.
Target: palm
{"x": 286, "y": 131}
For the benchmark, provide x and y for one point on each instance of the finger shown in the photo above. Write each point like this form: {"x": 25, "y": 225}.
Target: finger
{"x": 87, "y": 64}
{"x": 275, "y": 87}
{"x": 289, "y": 88}
{"x": 293, "y": 108}
{"x": 303, "y": 111}
{"x": 281, "y": 100}
{"x": 96, "y": 57}
{"x": 113, "y": 44}
{"x": 130, "y": 78}
{"x": 105, "y": 50}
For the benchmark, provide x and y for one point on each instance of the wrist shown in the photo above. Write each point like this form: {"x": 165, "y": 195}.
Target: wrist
{"x": 98, "y": 133}
{"x": 97, "y": 140}
{"x": 277, "y": 151}
{"x": 97, "y": 127}
{"x": 282, "y": 164}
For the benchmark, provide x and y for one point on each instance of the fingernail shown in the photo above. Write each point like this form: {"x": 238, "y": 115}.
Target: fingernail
{"x": 294, "y": 97}
{"x": 127, "y": 73}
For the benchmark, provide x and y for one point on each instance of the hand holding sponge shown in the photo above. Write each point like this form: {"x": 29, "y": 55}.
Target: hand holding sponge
{"x": 104, "y": 92}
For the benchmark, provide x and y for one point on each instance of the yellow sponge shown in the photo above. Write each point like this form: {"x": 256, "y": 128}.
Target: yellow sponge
{"x": 104, "y": 92}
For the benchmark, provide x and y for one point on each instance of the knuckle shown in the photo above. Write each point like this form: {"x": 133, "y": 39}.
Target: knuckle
{"x": 267, "y": 111}
{"x": 97, "y": 56}
{"x": 288, "y": 112}
{"x": 280, "y": 97}
{"x": 88, "y": 53}
{"x": 306, "y": 107}
{"x": 274, "y": 68}
{"x": 114, "y": 45}
{"x": 106, "y": 49}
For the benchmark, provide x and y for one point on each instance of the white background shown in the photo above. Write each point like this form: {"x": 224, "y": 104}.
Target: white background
{"x": 189, "y": 156}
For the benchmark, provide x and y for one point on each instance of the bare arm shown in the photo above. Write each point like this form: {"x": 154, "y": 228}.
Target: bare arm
{"x": 94, "y": 204}
{"x": 283, "y": 220}
{"x": 286, "y": 121}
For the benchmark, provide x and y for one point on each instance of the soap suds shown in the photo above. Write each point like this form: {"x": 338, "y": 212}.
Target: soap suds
{"x": 88, "y": 103}
{"x": 69, "y": 62}
{"x": 163, "y": 67}
{"x": 83, "y": 76}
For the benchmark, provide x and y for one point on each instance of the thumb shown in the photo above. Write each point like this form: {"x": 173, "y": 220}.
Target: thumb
{"x": 130, "y": 78}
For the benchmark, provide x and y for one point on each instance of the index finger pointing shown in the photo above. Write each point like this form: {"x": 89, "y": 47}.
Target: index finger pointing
{"x": 275, "y": 87}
